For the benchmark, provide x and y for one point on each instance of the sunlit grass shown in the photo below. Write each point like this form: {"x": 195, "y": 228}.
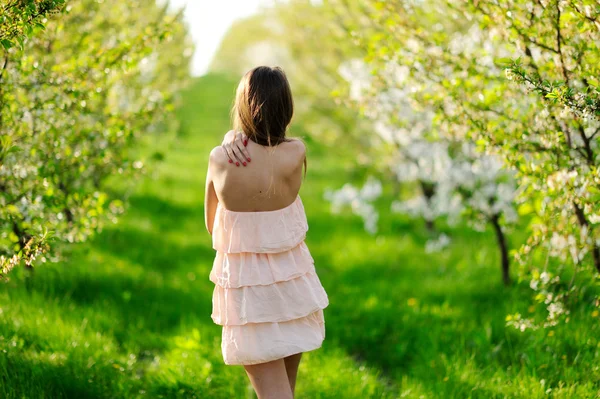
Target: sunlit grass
{"x": 128, "y": 315}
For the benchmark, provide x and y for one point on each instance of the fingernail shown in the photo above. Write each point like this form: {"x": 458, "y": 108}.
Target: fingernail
{"x": 244, "y": 163}
{"x": 237, "y": 164}
{"x": 230, "y": 161}
{"x": 248, "y": 159}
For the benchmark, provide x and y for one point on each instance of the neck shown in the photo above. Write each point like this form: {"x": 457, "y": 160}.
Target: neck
{"x": 265, "y": 141}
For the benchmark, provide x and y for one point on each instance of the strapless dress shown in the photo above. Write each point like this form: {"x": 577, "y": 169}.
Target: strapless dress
{"x": 267, "y": 295}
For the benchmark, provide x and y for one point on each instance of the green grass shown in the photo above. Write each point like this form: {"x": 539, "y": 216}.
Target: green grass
{"x": 128, "y": 315}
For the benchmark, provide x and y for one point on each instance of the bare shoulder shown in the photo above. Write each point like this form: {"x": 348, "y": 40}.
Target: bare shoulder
{"x": 296, "y": 149}
{"x": 218, "y": 158}
{"x": 293, "y": 156}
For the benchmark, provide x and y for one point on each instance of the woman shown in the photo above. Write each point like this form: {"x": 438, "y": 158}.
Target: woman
{"x": 267, "y": 295}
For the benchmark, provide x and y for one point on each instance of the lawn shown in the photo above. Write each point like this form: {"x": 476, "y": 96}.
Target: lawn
{"x": 127, "y": 315}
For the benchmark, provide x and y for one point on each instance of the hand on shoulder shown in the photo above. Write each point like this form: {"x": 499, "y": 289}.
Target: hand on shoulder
{"x": 234, "y": 145}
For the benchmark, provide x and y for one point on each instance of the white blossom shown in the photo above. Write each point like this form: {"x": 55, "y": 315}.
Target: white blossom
{"x": 359, "y": 200}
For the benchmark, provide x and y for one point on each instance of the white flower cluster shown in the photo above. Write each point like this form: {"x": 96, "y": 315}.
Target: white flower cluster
{"x": 520, "y": 323}
{"x": 360, "y": 201}
{"x": 486, "y": 186}
{"x": 452, "y": 175}
{"x": 546, "y": 285}
{"x": 437, "y": 244}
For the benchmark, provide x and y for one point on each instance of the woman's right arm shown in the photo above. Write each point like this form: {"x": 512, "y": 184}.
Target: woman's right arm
{"x": 210, "y": 195}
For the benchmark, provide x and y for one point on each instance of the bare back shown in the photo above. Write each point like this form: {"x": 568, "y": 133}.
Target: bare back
{"x": 269, "y": 182}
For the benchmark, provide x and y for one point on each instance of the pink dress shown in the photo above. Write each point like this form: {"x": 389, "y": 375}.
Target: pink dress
{"x": 267, "y": 295}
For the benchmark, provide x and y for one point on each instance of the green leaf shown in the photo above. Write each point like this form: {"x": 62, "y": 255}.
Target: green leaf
{"x": 503, "y": 61}
{"x": 7, "y": 44}
{"x": 14, "y": 148}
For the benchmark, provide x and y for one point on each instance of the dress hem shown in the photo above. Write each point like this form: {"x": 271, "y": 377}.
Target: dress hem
{"x": 273, "y": 359}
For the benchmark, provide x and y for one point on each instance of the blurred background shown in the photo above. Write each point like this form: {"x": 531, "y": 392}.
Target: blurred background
{"x": 452, "y": 193}
{"x": 209, "y": 23}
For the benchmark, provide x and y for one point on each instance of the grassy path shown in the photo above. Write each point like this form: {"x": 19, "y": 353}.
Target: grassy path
{"x": 128, "y": 316}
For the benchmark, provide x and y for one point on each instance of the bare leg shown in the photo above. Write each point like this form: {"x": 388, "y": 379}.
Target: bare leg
{"x": 291, "y": 367}
{"x": 270, "y": 380}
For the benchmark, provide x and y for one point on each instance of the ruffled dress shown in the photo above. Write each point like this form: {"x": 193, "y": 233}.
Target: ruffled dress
{"x": 267, "y": 295}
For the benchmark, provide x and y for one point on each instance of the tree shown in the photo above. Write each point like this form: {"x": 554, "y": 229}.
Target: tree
{"x": 453, "y": 178}
{"x": 18, "y": 19}
{"x": 464, "y": 59}
{"x": 74, "y": 101}
{"x": 316, "y": 44}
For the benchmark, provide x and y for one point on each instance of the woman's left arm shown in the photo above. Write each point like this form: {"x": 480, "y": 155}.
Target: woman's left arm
{"x": 210, "y": 196}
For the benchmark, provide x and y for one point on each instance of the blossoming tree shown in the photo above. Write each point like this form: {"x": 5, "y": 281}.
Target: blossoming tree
{"x": 75, "y": 96}
{"x": 453, "y": 178}
{"x": 518, "y": 79}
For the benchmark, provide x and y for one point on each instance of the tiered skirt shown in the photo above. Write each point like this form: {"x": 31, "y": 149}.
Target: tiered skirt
{"x": 267, "y": 295}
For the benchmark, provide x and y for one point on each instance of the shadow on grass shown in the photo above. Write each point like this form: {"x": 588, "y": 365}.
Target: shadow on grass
{"x": 143, "y": 305}
{"x": 164, "y": 214}
{"x": 411, "y": 313}
{"x": 137, "y": 316}
{"x": 148, "y": 282}
{"x": 153, "y": 250}
{"x": 68, "y": 380}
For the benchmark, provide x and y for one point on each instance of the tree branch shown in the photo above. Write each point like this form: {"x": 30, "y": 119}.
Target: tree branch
{"x": 589, "y": 152}
{"x": 559, "y": 45}
{"x": 594, "y": 21}
{"x": 4, "y": 65}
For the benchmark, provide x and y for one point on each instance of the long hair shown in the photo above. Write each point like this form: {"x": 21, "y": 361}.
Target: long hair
{"x": 264, "y": 106}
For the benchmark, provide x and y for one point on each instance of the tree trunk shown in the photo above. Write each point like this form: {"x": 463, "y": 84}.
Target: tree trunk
{"x": 430, "y": 225}
{"x": 502, "y": 245}
{"x": 428, "y": 190}
{"x": 583, "y": 222}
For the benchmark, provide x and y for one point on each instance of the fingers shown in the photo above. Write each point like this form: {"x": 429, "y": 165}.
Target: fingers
{"x": 227, "y": 149}
{"x": 240, "y": 152}
{"x": 234, "y": 144}
{"x": 237, "y": 139}
{"x": 242, "y": 148}
{"x": 227, "y": 145}
{"x": 238, "y": 158}
{"x": 237, "y": 148}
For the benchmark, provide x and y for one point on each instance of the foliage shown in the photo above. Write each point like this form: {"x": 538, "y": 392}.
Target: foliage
{"x": 558, "y": 66}
{"x": 19, "y": 19}
{"x": 74, "y": 101}
{"x": 128, "y": 315}
{"x": 467, "y": 104}
{"x": 462, "y": 60}
{"x": 409, "y": 148}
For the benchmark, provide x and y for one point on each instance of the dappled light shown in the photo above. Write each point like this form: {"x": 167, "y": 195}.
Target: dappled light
{"x": 452, "y": 195}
